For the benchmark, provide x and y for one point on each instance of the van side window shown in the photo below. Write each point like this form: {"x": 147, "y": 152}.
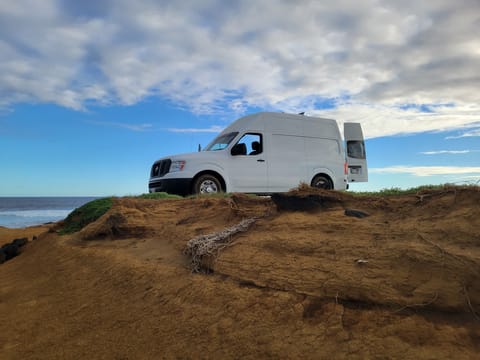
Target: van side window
{"x": 356, "y": 149}
{"x": 249, "y": 144}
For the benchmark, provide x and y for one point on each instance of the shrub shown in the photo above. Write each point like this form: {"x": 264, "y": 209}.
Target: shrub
{"x": 85, "y": 214}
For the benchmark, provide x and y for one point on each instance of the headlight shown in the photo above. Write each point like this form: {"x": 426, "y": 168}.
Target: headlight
{"x": 177, "y": 165}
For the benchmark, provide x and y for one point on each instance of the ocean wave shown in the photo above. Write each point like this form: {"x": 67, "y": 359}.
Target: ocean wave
{"x": 35, "y": 213}
{"x": 25, "y": 218}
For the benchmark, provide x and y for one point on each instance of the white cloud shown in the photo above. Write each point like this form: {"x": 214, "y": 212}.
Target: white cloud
{"x": 452, "y": 152}
{"x": 470, "y": 133}
{"x": 212, "y": 129}
{"x": 367, "y": 57}
{"x": 384, "y": 120}
{"x": 426, "y": 170}
{"x": 132, "y": 127}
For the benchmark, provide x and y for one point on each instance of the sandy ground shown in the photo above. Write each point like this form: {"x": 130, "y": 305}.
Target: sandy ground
{"x": 403, "y": 282}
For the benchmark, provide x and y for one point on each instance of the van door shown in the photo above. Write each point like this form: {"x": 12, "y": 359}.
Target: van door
{"x": 357, "y": 170}
{"x": 247, "y": 166}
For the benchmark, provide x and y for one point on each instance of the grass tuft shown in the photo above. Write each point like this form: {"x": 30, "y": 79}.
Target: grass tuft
{"x": 397, "y": 191}
{"x": 85, "y": 214}
{"x": 159, "y": 195}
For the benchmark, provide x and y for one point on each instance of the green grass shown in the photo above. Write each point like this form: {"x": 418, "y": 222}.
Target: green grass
{"x": 85, "y": 214}
{"x": 90, "y": 212}
{"x": 158, "y": 195}
{"x": 398, "y": 191}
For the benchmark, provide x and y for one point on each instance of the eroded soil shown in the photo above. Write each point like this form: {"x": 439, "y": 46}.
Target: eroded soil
{"x": 403, "y": 282}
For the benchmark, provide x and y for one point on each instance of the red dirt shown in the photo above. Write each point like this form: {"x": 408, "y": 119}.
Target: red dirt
{"x": 403, "y": 282}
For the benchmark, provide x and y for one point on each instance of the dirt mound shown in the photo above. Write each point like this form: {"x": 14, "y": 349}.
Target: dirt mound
{"x": 421, "y": 250}
{"x": 304, "y": 281}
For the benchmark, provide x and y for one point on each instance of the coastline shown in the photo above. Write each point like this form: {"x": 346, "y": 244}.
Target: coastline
{"x": 8, "y": 234}
{"x": 22, "y": 212}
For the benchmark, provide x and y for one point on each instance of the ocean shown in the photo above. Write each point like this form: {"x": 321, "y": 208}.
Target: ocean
{"x": 20, "y": 212}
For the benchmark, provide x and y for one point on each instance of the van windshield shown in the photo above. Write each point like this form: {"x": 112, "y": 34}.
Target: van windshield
{"x": 221, "y": 141}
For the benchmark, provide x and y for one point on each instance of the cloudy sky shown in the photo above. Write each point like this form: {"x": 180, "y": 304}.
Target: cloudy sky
{"x": 92, "y": 92}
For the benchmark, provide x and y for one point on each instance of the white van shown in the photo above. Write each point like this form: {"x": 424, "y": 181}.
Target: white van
{"x": 267, "y": 153}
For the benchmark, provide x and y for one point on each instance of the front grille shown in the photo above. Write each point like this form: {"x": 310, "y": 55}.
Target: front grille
{"x": 160, "y": 168}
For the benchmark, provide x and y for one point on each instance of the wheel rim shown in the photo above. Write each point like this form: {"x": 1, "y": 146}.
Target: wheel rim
{"x": 322, "y": 183}
{"x": 208, "y": 187}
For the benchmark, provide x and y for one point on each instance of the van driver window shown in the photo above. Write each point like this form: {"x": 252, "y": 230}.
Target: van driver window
{"x": 252, "y": 144}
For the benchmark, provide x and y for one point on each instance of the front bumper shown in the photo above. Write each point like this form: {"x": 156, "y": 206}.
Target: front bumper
{"x": 181, "y": 186}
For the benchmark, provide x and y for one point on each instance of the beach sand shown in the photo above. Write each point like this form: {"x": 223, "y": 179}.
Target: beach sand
{"x": 7, "y": 234}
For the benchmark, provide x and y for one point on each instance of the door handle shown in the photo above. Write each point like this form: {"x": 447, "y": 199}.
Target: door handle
{"x": 261, "y": 160}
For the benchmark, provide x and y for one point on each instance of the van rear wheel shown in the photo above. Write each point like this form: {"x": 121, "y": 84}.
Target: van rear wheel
{"x": 322, "y": 182}
{"x": 207, "y": 184}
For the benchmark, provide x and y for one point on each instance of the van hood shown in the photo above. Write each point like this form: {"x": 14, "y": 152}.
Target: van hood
{"x": 209, "y": 160}
{"x": 201, "y": 155}
{"x": 206, "y": 160}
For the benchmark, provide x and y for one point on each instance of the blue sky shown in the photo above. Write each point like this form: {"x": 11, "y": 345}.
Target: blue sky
{"x": 91, "y": 93}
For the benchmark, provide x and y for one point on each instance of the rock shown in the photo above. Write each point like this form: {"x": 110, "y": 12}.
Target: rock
{"x": 356, "y": 213}
{"x": 20, "y": 242}
{"x": 10, "y": 250}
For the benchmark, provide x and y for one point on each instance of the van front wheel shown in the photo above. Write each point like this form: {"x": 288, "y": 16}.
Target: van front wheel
{"x": 207, "y": 184}
{"x": 322, "y": 182}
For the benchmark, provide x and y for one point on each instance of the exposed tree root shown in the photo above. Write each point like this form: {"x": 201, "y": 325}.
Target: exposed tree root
{"x": 409, "y": 306}
{"x": 474, "y": 313}
{"x": 423, "y": 196}
{"x": 209, "y": 245}
{"x": 442, "y": 250}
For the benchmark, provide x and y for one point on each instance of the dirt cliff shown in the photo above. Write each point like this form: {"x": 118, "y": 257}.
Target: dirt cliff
{"x": 401, "y": 280}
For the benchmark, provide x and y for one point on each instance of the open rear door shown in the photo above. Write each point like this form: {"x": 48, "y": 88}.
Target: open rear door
{"x": 357, "y": 170}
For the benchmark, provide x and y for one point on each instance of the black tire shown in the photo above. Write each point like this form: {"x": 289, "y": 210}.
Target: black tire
{"x": 322, "y": 182}
{"x": 207, "y": 184}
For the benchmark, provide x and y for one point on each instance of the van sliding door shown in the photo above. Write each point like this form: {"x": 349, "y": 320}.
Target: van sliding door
{"x": 357, "y": 170}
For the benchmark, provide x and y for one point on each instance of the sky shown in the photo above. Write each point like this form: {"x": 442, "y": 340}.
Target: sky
{"x": 93, "y": 92}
